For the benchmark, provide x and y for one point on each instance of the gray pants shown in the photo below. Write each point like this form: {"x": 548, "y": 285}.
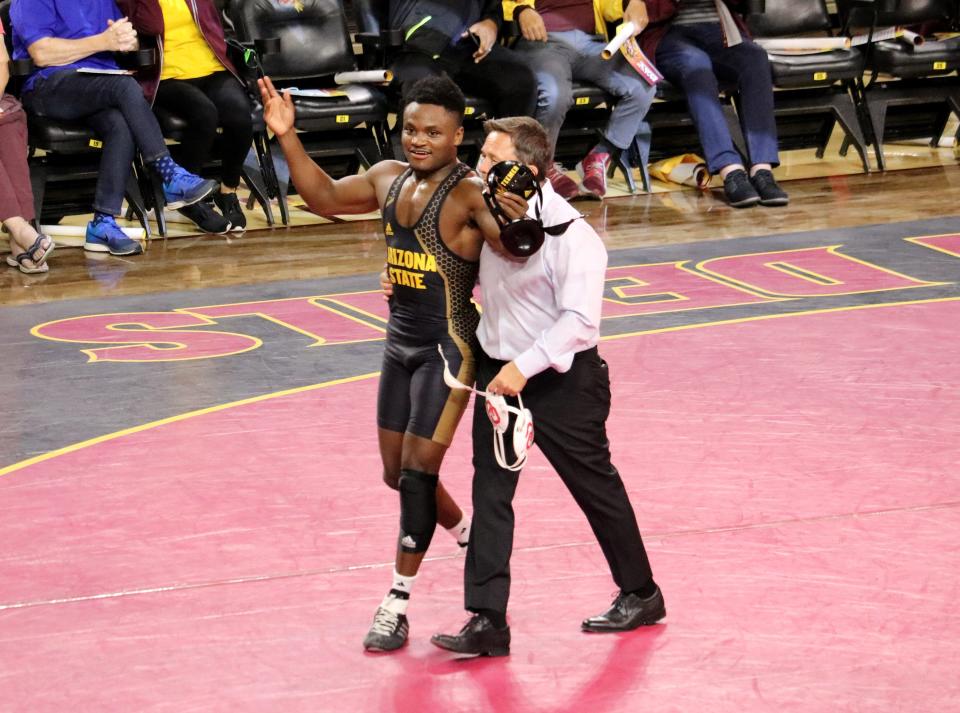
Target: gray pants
{"x": 575, "y": 55}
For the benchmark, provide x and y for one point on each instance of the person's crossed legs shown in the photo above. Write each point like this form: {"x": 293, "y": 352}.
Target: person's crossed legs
{"x": 114, "y": 106}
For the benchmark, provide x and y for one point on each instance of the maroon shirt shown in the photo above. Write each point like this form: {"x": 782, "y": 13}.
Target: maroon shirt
{"x": 564, "y": 15}
{"x": 661, "y": 14}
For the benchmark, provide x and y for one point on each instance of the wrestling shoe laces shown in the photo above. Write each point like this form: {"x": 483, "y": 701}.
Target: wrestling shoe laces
{"x": 388, "y": 631}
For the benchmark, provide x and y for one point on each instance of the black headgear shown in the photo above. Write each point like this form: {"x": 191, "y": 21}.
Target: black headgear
{"x": 524, "y": 236}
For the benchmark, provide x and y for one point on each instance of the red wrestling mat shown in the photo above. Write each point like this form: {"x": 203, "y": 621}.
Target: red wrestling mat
{"x": 795, "y": 478}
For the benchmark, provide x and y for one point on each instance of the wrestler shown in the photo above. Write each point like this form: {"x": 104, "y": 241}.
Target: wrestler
{"x": 435, "y": 221}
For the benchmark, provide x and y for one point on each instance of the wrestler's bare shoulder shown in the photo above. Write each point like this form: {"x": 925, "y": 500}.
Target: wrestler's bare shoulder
{"x": 471, "y": 186}
{"x": 386, "y": 170}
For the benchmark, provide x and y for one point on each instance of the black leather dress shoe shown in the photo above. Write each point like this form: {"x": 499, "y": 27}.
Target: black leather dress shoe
{"x": 627, "y": 612}
{"x": 771, "y": 194}
{"x": 478, "y": 636}
{"x": 739, "y": 190}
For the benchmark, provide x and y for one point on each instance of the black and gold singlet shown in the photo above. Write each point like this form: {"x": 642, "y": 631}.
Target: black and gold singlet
{"x": 431, "y": 305}
{"x": 431, "y": 284}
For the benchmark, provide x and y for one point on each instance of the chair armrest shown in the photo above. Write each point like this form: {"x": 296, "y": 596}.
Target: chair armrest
{"x": 143, "y": 57}
{"x": 267, "y": 45}
{"x": 22, "y": 67}
{"x": 246, "y": 55}
{"x": 381, "y": 41}
{"x": 138, "y": 59}
{"x": 378, "y": 48}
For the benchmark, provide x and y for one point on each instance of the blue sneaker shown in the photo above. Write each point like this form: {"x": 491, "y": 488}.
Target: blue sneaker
{"x": 185, "y": 189}
{"x": 105, "y": 236}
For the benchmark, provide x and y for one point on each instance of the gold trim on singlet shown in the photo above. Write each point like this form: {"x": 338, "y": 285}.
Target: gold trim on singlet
{"x": 460, "y": 327}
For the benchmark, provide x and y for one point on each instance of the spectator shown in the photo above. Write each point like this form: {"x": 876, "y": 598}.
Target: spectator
{"x": 562, "y": 41}
{"x": 459, "y": 37}
{"x": 196, "y": 81}
{"x": 29, "y": 250}
{"x": 72, "y": 44}
{"x": 692, "y": 51}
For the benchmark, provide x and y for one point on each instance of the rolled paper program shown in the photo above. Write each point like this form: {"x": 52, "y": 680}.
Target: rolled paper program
{"x": 639, "y": 61}
{"x": 879, "y": 35}
{"x": 912, "y": 38}
{"x": 625, "y": 32}
{"x": 802, "y": 45}
{"x": 367, "y": 76}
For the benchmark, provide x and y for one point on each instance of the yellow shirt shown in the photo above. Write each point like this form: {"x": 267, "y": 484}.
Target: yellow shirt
{"x": 604, "y": 11}
{"x": 186, "y": 55}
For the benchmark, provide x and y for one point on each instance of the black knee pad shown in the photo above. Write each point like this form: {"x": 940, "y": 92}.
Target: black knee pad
{"x": 418, "y": 510}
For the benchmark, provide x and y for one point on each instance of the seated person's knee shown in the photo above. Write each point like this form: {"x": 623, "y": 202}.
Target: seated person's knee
{"x": 128, "y": 90}
{"x": 555, "y": 93}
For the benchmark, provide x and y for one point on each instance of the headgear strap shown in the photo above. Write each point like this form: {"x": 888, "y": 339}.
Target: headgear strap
{"x": 524, "y": 236}
{"x": 498, "y": 411}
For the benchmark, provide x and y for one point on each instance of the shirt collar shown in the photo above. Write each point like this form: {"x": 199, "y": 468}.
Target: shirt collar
{"x": 548, "y": 194}
{"x": 555, "y": 208}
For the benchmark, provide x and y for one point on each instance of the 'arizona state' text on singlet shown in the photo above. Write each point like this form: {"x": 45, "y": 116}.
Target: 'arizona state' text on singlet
{"x": 432, "y": 285}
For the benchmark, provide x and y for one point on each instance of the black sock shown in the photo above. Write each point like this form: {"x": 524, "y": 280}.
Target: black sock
{"x": 646, "y": 591}
{"x": 497, "y": 618}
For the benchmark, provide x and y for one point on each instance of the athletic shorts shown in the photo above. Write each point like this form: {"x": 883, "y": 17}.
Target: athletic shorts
{"x": 412, "y": 397}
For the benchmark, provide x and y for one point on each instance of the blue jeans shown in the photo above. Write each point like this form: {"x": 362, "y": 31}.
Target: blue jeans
{"x": 114, "y": 106}
{"x": 693, "y": 57}
{"x": 575, "y": 55}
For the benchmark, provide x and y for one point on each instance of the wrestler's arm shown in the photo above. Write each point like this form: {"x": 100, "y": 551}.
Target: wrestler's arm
{"x": 323, "y": 194}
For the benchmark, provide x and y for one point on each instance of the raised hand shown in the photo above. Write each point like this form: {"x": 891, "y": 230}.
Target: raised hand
{"x": 120, "y": 36}
{"x": 278, "y": 111}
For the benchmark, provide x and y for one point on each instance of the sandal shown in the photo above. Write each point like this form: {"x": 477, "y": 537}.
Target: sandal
{"x": 18, "y": 261}
{"x": 39, "y": 264}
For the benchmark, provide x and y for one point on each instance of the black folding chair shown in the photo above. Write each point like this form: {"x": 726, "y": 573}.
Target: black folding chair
{"x": 816, "y": 87}
{"x": 314, "y": 44}
{"x": 902, "y": 75}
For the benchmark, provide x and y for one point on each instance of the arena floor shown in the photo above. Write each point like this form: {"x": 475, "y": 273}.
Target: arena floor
{"x": 194, "y": 517}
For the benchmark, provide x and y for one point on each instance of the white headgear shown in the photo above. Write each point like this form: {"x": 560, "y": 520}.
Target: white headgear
{"x": 498, "y": 411}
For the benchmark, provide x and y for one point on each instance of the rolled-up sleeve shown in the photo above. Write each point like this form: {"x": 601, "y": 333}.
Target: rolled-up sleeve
{"x": 33, "y": 20}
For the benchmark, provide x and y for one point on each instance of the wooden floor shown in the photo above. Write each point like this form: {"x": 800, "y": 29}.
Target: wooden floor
{"x": 824, "y": 194}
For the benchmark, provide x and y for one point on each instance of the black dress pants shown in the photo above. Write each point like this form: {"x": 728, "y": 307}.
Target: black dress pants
{"x": 569, "y": 415}
{"x": 206, "y": 103}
